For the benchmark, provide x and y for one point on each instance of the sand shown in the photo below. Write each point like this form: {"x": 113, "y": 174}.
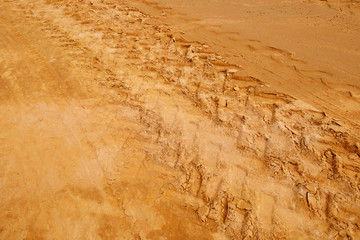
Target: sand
{"x": 179, "y": 119}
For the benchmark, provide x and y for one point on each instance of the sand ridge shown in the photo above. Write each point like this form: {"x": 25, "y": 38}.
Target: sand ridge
{"x": 114, "y": 127}
{"x": 308, "y": 49}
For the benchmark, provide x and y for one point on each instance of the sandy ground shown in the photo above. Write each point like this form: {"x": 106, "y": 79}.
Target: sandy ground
{"x": 157, "y": 120}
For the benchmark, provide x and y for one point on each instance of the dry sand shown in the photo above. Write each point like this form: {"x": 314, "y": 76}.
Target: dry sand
{"x": 179, "y": 119}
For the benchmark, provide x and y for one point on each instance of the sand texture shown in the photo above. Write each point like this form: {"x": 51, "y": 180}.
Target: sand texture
{"x": 148, "y": 120}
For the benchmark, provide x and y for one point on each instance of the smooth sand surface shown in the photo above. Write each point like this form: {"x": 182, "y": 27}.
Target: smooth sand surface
{"x": 179, "y": 119}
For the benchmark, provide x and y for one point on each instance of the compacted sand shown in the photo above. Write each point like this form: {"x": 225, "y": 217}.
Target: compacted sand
{"x": 179, "y": 119}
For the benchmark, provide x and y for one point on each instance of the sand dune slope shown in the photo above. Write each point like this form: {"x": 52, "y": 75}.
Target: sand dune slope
{"x": 114, "y": 127}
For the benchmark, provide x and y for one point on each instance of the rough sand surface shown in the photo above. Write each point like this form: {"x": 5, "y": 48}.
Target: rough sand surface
{"x": 117, "y": 126}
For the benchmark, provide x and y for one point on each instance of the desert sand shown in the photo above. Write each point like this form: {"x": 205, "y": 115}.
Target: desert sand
{"x": 179, "y": 119}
